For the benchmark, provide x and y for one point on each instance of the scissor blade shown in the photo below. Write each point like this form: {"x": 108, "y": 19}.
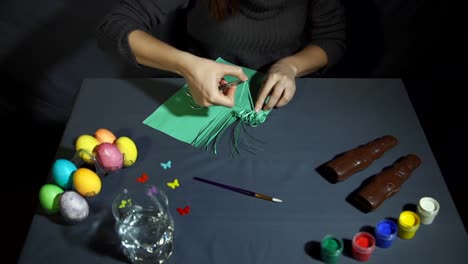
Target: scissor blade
{"x": 230, "y": 84}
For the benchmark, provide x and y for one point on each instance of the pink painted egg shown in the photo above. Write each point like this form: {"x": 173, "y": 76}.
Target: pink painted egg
{"x": 109, "y": 157}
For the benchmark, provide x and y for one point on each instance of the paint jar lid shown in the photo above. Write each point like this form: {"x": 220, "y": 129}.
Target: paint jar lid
{"x": 408, "y": 219}
{"x": 363, "y": 242}
{"x": 428, "y": 206}
{"x": 332, "y": 245}
{"x": 386, "y": 229}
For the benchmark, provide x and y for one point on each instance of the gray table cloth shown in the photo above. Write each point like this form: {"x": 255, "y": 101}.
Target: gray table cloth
{"x": 325, "y": 118}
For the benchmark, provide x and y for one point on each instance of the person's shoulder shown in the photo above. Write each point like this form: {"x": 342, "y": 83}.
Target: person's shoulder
{"x": 169, "y": 5}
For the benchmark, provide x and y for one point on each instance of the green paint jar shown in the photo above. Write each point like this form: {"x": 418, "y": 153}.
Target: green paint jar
{"x": 331, "y": 249}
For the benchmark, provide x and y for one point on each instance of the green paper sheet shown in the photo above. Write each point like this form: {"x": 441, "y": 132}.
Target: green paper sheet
{"x": 179, "y": 117}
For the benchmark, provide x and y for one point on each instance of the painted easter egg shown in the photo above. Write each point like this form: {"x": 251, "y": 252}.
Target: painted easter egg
{"x": 104, "y": 135}
{"x": 129, "y": 150}
{"x": 62, "y": 171}
{"x": 84, "y": 146}
{"x": 73, "y": 207}
{"x": 109, "y": 157}
{"x": 49, "y": 195}
{"x": 86, "y": 182}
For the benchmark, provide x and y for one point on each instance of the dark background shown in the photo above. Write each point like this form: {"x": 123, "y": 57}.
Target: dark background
{"x": 48, "y": 47}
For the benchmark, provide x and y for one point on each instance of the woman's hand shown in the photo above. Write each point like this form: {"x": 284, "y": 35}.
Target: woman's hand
{"x": 279, "y": 85}
{"x": 204, "y": 77}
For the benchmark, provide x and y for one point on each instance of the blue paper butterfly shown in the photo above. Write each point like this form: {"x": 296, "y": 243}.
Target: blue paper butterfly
{"x": 166, "y": 165}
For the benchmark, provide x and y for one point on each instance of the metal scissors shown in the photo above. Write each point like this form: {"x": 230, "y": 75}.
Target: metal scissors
{"x": 229, "y": 84}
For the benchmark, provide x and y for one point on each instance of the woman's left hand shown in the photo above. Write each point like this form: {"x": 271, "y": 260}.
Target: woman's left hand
{"x": 279, "y": 85}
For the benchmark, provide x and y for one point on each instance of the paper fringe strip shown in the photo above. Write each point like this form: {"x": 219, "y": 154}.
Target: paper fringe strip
{"x": 243, "y": 117}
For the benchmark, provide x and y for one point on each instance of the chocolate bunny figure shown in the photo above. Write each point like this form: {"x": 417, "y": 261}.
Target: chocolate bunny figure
{"x": 386, "y": 183}
{"x": 357, "y": 159}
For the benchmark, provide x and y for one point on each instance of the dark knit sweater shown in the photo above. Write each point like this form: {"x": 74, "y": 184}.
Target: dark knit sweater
{"x": 257, "y": 35}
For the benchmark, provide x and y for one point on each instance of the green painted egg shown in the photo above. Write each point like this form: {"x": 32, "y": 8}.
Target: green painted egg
{"x": 49, "y": 196}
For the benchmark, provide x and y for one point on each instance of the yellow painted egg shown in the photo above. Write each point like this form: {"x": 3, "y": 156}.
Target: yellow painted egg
{"x": 86, "y": 182}
{"x": 104, "y": 135}
{"x": 129, "y": 150}
{"x": 84, "y": 146}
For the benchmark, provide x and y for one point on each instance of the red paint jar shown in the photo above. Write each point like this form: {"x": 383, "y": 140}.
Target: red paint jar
{"x": 363, "y": 246}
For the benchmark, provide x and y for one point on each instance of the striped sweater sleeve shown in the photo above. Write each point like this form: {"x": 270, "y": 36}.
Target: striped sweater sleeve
{"x": 129, "y": 15}
{"x": 327, "y": 28}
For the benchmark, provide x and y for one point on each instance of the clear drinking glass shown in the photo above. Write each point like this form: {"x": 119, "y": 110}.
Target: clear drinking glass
{"x": 144, "y": 224}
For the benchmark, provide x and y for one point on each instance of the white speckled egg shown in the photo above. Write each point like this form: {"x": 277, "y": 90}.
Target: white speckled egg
{"x": 73, "y": 207}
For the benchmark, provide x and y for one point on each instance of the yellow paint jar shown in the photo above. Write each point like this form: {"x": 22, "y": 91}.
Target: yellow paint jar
{"x": 408, "y": 224}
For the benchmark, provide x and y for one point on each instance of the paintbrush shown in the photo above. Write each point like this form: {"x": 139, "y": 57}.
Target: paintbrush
{"x": 239, "y": 190}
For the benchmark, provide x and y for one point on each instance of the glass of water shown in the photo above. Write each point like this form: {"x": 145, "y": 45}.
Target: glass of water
{"x": 144, "y": 224}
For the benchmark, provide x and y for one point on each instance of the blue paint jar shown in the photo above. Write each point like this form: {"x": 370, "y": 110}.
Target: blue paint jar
{"x": 385, "y": 233}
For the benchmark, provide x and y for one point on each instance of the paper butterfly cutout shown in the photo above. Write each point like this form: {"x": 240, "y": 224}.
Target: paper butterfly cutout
{"x": 124, "y": 203}
{"x": 173, "y": 184}
{"x": 166, "y": 165}
{"x": 151, "y": 191}
{"x": 184, "y": 210}
{"x": 144, "y": 177}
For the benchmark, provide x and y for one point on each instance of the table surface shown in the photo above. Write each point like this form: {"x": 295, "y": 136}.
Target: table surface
{"x": 326, "y": 117}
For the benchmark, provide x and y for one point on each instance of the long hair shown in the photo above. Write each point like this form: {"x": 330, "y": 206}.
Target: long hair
{"x": 221, "y": 9}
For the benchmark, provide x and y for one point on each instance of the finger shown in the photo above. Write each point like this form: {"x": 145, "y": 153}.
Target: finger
{"x": 231, "y": 92}
{"x": 227, "y": 98}
{"x": 285, "y": 98}
{"x": 275, "y": 96}
{"x": 228, "y": 90}
{"x": 222, "y": 82}
{"x": 288, "y": 93}
{"x": 203, "y": 103}
{"x": 225, "y": 101}
{"x": 264, "y": 93}
{"x": 234, "y": 71}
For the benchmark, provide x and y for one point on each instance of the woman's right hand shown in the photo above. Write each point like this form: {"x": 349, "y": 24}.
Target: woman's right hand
{"x": 204, "y": 76}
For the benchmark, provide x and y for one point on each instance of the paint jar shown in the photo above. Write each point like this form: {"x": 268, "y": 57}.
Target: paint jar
{"x": 428, "y": 208}
{"x": 385, "y": 233}
{"x": 331, "y": 248}
{"x": 363, "y": 246}
{"x": 408, "y": 224}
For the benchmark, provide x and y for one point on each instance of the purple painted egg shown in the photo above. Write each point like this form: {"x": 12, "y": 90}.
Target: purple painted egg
{"x": 109, "y": 157}
{"x": 73, "y": 207}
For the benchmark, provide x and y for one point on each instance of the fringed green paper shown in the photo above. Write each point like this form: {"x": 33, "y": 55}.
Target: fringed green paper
{"x": 179, "y": 117}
